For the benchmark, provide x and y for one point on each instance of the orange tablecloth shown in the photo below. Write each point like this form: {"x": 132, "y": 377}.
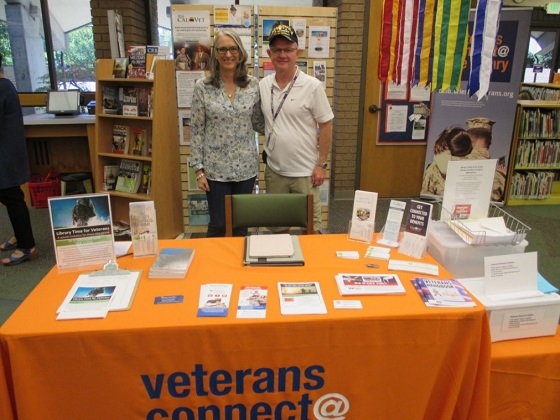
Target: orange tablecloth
{"x": 525, "y": 379}
{"x": 394, "y": 358}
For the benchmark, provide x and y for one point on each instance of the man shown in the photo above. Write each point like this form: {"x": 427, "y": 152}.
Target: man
{"x": 298, "y": 120}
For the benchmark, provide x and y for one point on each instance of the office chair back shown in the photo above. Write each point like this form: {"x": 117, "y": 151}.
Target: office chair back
{"x": 269, "y": 210}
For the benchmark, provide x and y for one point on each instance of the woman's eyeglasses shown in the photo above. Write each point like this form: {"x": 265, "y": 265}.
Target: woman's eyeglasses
{"x": 224, "y": 50}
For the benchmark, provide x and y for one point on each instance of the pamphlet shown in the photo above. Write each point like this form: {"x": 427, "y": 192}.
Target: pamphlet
{"x": 368, "y": 284}
{"x": 301, "y": 298}
{"x": 143, "y": 228}
{"x": 362, "y": 224}
{"x": 443, "y": 293}
{"x": 214, "y": 300}
{"x": 252, "y": 302}
{"x": 392, "y": 227}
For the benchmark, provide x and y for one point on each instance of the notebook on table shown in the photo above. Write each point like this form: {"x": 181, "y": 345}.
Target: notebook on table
{"x": 272, "y": 250}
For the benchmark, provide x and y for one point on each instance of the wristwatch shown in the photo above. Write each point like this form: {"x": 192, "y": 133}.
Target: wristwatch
{"x": 323, "y": 165}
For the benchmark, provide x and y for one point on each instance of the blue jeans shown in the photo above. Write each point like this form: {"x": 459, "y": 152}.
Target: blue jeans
{"x": 217, "y": 204}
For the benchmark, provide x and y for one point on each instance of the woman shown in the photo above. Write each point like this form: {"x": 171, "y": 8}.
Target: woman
{"x": 226, "y": 112}
{"x": 14, "y": 171}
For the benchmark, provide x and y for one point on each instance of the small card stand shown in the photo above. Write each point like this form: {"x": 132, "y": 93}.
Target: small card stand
{"x": 384, "y": 240}
{"x": 391, "y": 233}
{"x": 362, "y": 234}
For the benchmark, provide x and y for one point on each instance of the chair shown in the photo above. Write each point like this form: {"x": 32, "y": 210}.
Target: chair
{"x": 270, "y": 210}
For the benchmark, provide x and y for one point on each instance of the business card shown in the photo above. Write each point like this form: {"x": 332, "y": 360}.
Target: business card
{"x": 168, "y": 299}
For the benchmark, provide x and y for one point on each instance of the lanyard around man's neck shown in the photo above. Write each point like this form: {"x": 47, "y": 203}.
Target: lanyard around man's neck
{"x": 274, "y": 115}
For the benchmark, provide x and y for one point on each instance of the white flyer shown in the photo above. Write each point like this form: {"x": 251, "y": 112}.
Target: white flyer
{"x": 301, "y": 298}
{"x": 363, "y": 216}
{"x": 214, "y": 299}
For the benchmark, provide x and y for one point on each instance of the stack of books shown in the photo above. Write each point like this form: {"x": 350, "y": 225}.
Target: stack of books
{"x": 171, "y": 263}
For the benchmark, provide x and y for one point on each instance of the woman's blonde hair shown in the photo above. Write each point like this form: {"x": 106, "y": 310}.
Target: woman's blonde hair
{"x": 241, "y": 78}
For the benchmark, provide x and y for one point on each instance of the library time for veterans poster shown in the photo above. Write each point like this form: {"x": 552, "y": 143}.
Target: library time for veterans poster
{"x": 453, "y": 109}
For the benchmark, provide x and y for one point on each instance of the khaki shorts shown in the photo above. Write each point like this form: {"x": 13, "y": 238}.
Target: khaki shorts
{"x": 280, "y": 184}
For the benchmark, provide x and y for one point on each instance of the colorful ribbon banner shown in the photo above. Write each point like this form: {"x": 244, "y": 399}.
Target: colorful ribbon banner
{"x": 420, "y": 47}
{"x": 485, "y": 30}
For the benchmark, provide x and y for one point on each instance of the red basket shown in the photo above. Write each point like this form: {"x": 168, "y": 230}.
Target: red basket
{"x": 41, "y": 187}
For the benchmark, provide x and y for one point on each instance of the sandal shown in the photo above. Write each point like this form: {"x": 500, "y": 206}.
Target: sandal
{"x": 9, "y": 244}
{"x": 20, "y": 256}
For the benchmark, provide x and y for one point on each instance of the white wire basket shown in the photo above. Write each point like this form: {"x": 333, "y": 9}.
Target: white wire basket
{"x": 476, "y": 232}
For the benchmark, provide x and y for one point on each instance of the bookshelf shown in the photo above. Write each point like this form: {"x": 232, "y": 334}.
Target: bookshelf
{"x": 534, "y": 172}
{"x": 161, "y": 126}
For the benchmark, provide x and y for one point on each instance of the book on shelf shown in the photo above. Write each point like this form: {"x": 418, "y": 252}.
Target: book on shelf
{"x": 146, "y": 185}
{"x": 136, "y": 62}
{"x": 369, "y": 284}
{"x": 139, "y": 142}
{"x": 172, "y": 263}
{"x": 119, "y": 67}
{"x": 143, "y": 228}
{"x": 110, "y": 99}
{"x": 144, "y": 101}
{"x": 128, "y": 97}
{"x": 121, "y": 138}
{"x": 110, "y": 174}
{"x": 130, "y": 176}
{"x": 154, "y": 53}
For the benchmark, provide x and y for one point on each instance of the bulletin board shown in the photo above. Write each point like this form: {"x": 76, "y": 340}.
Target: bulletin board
{"x": 404, "y": 115}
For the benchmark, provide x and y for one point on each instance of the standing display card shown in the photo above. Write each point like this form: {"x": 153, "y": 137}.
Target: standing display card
{"x": 143, "y": 228}
{"x": 362, "y": 224}
{"x": 414, "y": 241}
{"x": 214, "y": 300}
{"x": 82, "y": 231}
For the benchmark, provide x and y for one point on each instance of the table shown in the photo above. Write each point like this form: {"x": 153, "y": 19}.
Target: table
{"x": 395, "y": 358}
{"x": 525, "y": 378}
{"x": 61, "y": 143}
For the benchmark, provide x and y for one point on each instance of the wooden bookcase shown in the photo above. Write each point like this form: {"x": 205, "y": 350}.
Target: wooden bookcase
{"x": 534, "y": 169}
{"x": 164, "y": 160}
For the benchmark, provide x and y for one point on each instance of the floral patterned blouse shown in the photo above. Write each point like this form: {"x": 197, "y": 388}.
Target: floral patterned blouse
{"x": 223, "y": 132}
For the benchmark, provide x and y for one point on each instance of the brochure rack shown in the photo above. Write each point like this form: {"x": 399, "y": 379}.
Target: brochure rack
{"x": 479, "y": 238}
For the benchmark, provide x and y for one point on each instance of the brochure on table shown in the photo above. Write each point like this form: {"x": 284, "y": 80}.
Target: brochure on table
{"x": 511, "y": 295}
{"x": 301, "y": 298}
{"x": 93, "y": 295}
{"x": 82, "y": 231}
{"x": 415, "y": 239}
{"x": 362, "y": 224}
{"x": 392, "y": 228}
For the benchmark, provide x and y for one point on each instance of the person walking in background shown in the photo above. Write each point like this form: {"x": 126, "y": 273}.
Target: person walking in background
{"x": 226, "y": 112}
{"x": 298, "y": 121}
{"x": 14, "y": 171}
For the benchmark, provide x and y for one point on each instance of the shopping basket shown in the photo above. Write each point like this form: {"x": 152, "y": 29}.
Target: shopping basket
{"x": 41, "y": 187}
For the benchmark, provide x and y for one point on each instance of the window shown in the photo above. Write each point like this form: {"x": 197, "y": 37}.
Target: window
{"x": 59, "y": 56}
{"x": 539, "y": 64}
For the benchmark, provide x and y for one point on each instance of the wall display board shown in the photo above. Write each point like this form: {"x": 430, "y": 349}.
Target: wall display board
{"x": 404, "y": 115}
{"x": 494, "y": 113}
{"x": 193, "y": 29}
